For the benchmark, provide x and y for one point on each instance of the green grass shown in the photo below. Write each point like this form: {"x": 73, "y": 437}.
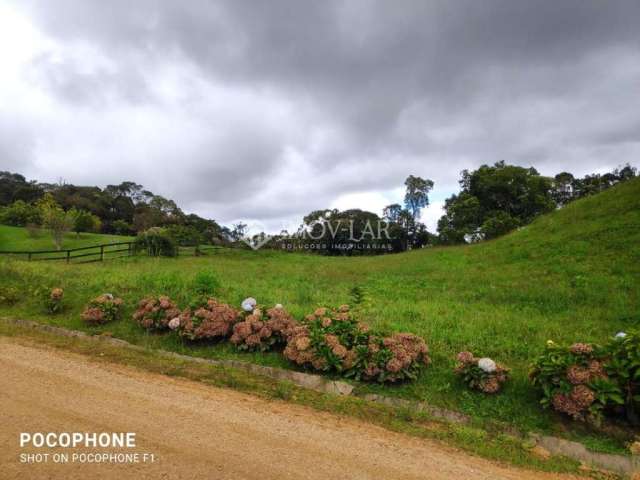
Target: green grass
{"x": 18, "y": 239}
{"x": 571, "y": 275}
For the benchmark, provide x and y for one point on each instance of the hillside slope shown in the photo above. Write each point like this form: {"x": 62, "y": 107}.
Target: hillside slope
{"x": 572, "y": 275}
{"x": 601, "y": 227}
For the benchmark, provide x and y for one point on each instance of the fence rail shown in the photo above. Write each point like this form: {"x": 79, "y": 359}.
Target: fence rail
{"x": 93, "y": 253}
{"x": 99, "y": 253}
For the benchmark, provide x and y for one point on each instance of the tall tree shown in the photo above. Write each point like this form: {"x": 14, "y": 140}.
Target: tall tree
{"x": 417, "y": 196}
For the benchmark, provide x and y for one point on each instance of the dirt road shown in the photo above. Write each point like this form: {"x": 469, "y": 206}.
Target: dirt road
{"x": 196, "y": 431}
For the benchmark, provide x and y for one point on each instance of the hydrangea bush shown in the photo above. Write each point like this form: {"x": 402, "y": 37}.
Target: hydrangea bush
{"x": 262, "y": 331}
{"x": 391, "y": 359}
{"x": 327, "y": 340}
{"x": 102, "y": 309}
{"x": 155, "y": 313}
{"x": 213, "y": 320}
{"x": 333, "y": 340}
{"x": 574, "y": 380}
{"x": 622, "y": 365}
{"x": 481, "y": 374}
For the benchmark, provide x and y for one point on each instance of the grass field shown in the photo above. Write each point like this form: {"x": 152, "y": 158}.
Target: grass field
{"x": 18, "y": 239}
{"x": 571, "y": 275}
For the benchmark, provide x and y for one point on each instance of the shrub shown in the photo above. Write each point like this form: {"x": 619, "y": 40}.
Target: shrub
{"x": 622, "y": 364}
{"x": 391, "y": 359}
{"x": 331, "y": 340}
{"x": 84, "y": 221}
{"x": 481, "y": 373}
{"x": 102, "y": 309}
{"x": 20, "y": 213}
{"x": 211, "y": 320}
{"x": 327, "y": 340}
{"x": 263, "y": 331}
{"x": 54, "y": 300}
{"x": 574, "y": 381}
{"x": 185, "y": 236}
{"x": 120, "y": 227}
{"x": 156, "y": 242}
{"x": 156, "y": 313}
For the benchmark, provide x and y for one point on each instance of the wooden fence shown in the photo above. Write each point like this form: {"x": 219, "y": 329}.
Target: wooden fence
{"x": 94, "y": 253}
{"x": 100, "y": 253}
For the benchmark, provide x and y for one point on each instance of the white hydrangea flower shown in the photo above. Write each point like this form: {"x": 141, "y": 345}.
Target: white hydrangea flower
{"x": 621, "y": 335}
{"x": 487, "y": 365}
{"x": 278, "y": 305}
{"x": 174, "y": 323}
{"x": 248, "y": 304}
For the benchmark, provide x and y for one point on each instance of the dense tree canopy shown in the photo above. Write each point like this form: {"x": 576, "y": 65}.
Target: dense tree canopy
{"x": 122, "y": 209}
{"x": 494, "y": 200}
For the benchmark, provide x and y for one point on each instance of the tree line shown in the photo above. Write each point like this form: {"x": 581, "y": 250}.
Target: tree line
{"x": 496, "y": 199}
{"x": 493, "y": 200}
{"x": 124, "y": 209}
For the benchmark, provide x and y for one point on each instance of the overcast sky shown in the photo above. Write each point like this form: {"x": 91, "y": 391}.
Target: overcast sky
{"x": 265, "y": 110}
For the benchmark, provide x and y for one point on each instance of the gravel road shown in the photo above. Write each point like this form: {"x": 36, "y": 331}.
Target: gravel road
{"x": 196, "y": 431}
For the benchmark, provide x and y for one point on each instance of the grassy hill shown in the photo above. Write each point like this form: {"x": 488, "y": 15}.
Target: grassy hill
{"x": 572, "y": 275}
{"x": 19, "y": 239}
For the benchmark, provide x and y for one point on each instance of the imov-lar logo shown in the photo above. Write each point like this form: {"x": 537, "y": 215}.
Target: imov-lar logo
{"x": 257, "y": 241}
{"x": 328, "y": 234}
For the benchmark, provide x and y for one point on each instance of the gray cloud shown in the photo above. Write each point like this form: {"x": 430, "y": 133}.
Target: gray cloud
{"x": 267, "y": 110}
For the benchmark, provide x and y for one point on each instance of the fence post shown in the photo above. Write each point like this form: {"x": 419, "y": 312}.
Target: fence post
{"x": 102, "y": 253}
{"x": 68, "y": 256}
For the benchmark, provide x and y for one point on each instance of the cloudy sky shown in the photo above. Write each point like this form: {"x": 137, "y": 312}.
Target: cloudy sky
{"x": 266, "y": 110}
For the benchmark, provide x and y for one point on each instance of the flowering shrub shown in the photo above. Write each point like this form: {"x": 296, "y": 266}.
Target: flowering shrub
{"x": 333, "y": 340}
{"x": 54, "y": 300}
{"x": 259, "y": 331}
{"x": 574, "y": 381}
{"x": 390, "y": 359}
{"x": 212, "y": 320}
{"x": 327, "y": 340}
{"x": 622, "y": 364}
{"x": 102, "y": 309}
{"x": 481, "y": 373}
{"x": 248, "y": 304}
{"x": 156, "y": 313}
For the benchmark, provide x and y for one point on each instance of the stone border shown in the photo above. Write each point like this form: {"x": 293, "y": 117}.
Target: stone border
{"x": 626, "y": 465}
{"x": 607, "y": 461}
{"x": 301, "y": 379}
